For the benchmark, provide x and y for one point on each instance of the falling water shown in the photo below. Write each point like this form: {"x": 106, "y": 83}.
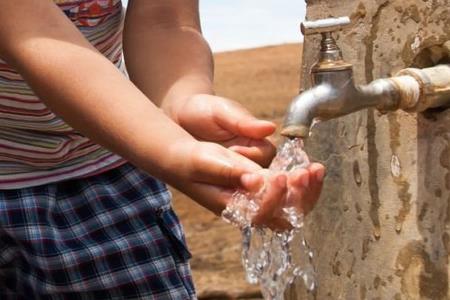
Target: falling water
{"x": 274, "y": 259}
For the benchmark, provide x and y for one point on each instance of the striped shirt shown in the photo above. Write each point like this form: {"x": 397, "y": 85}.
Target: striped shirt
{"x": 38, "y": 147}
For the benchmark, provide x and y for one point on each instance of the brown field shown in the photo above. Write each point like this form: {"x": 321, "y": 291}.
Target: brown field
{"x": 264, "y": 80}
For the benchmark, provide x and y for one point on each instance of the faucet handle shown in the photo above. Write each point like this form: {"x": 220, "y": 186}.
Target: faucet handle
{"x": 324, "y": 25}
{"x": 330, "y": 56}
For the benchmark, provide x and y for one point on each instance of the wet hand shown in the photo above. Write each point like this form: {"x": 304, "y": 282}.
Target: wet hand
{"x": 207, "y": 172}
{"x": 216, "y": 119}
{"x": 300, "y": 189}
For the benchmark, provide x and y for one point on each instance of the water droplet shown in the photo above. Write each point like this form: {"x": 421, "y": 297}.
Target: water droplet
{"x": 395, "y": 166}
{"x": 313, "y": 124}
{"x": 377, "y": 232}
{"x": 357, "y": 173}
{"x": 398, "y": 227}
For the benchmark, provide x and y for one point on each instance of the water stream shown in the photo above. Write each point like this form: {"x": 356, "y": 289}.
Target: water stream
{"x": 274, "y": 259}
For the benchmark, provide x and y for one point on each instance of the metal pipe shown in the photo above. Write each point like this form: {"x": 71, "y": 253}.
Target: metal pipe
{"x": 435, "y": 87}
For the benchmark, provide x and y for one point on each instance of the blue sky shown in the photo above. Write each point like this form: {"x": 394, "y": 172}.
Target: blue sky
{"x": 237, "y": 24}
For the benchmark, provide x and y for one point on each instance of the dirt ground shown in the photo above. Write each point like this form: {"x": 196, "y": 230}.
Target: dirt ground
{"x": 264, "y": 80}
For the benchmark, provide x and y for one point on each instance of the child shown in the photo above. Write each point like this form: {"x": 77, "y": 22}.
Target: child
{"x": 80, "y": 218}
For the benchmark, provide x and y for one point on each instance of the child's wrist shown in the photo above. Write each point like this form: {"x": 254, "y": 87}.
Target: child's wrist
{"x": 176, "y": 161}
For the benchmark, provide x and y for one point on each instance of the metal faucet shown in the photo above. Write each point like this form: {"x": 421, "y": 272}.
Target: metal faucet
{"x": 334, "y": 93}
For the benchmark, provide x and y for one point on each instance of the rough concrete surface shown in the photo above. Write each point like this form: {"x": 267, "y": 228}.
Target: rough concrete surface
{"x": 382, "y": 227}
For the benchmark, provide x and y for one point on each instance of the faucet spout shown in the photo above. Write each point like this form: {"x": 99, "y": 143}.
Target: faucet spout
{"x": 305, "y": 108}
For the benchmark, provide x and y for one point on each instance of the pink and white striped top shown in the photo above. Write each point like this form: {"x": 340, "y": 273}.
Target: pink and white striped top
{"x": 36, "y": 146}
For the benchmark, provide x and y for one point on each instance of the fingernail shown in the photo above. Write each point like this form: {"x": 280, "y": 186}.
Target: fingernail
{"x": 320, "y": 175}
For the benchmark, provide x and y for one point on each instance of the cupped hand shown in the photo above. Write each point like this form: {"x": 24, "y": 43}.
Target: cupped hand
{"x": 216, "y": 119}
{"x": 300, "y": 189}
{"x": 210, "y": 174}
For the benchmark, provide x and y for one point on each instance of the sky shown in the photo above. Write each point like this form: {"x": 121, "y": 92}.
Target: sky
{"x": 238, "y": 24}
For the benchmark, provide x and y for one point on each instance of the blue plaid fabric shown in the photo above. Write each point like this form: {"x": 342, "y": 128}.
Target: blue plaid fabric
{"x": 110, "y": 236}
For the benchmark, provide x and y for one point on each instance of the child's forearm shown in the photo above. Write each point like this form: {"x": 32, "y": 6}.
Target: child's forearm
{"x": 86, "y": 90}
{"x": 166, "y": 54}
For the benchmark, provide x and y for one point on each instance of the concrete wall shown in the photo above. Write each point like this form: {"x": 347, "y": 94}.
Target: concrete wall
{"x": 382, "y": 227}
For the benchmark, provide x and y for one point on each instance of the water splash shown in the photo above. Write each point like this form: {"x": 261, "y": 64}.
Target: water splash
{"x": 274, "y": 259}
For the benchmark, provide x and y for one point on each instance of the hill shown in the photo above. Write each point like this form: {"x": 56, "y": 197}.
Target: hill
{"x": 264, "y": 80}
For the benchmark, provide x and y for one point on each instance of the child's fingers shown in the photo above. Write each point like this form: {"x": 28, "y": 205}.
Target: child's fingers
{"x": 299, "y": 177}
{"x": 252, "y": 182}
{"x": 235, "y": 118}
{"x": 214, "y": 164}
{"x": 318, "y": 170}
{"x": 305, "y": 186}
{"x": 279, "y": 225}
{"x": 298, "y": 183}
{"x": 274, "y": 194}
{"x": 259, "y": 151}
{"x": 317, "y": 173}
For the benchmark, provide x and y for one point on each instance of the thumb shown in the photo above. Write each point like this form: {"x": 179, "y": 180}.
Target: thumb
{"x": 213, "y": 164}
{"x": 237, "y": 120}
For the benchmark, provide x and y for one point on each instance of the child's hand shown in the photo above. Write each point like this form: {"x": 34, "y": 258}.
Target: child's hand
{"x": 206, "y": 172}
{"x": 300, "y": 189}
{"x": 210, "y": 163}
{"x": 210, "y": 174}
{"x": 216, "y": 119}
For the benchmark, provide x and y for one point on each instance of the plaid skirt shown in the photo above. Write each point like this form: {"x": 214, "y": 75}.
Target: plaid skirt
{"x": 110, "y": 236}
